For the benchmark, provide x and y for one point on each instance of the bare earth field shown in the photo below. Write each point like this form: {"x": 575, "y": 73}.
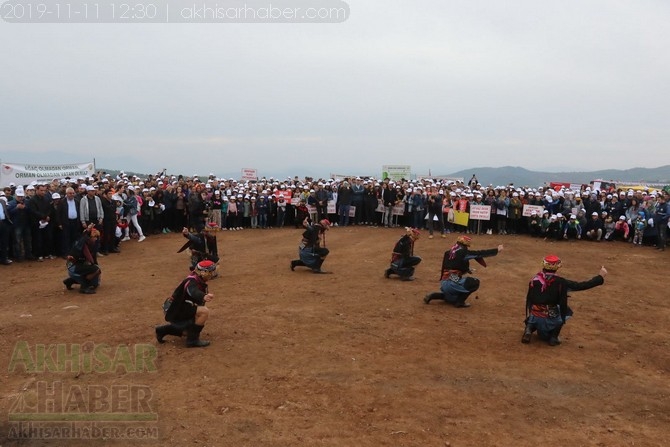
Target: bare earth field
{"x": 348, "y": 359}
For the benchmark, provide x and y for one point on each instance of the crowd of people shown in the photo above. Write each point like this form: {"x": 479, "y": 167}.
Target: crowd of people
{"x": 40, "y": 221}
{"x": 81, "y": 219}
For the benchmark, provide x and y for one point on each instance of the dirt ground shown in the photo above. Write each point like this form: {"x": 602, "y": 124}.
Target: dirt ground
{"x": 352, "y": 358}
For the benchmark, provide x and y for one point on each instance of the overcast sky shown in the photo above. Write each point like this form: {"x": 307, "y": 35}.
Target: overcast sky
{"x": 438, "y": 85}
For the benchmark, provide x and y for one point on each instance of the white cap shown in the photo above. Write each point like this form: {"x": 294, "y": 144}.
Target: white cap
{"x": 595, "y": 213}
{"x": 90, "y": 188}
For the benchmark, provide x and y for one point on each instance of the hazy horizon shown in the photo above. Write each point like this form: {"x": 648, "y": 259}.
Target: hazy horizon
{"x": 440, "y": 86}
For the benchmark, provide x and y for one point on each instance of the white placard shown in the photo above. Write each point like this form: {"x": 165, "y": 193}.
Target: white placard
{"x": 249, "y": 174}
{"x": 480, "y": 212}
{"x": 24, "y": 173}
{"x": 528, "y": 210}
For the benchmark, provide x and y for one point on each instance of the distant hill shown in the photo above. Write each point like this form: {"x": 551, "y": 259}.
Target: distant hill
{"x": 523, "y": 177}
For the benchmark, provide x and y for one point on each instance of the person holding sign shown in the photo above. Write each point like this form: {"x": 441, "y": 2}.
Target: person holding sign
{"x": 455, "y": 286}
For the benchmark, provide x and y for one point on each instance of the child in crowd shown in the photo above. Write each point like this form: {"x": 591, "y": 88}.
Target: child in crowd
{"x": 572, "y": 229}
{"x": 640, "y": 224}
{"x": 609, "y": 228}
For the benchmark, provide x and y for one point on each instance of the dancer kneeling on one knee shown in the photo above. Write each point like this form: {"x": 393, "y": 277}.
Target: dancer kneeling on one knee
{"x": 82, "y": 262}
{"x": 455, "y": 286}
{"x": 312, "y": 250}
{"x": 547, "y": 300}
{"x": 402, "y": 258}
{"x": 186, "y": 309}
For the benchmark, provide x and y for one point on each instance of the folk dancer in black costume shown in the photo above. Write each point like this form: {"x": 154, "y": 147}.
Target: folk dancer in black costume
{"x": 186, "y": 309}
{"x": 402, "y": 258}
{"x": 547, "y": 301}
{"x": 312, "y": 249}
{"x": 82, "y": 262}
{"x": 455, "y": 286}
{"x": 203, "y": 245}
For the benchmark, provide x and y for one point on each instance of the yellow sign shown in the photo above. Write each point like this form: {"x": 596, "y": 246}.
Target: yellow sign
{"x": 461, "y": 218}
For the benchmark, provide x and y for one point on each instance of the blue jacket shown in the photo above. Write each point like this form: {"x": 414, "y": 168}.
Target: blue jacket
{"x": 662, "y": 213}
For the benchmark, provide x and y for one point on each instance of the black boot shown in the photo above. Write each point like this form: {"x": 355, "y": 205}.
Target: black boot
{"x": 388, "y": 273}
{"x": 68, "y": 283}
{"x": 433, "y": 296}
{"x": 527, "y": 333}
{"x": 461, "y": 300}
{"x": 193, "y": 337}
{"x": 86, "y": 287}
{"x": 296, "y": 263}
{"x": 553, "y": 337}
{"x": 167, "y": 329}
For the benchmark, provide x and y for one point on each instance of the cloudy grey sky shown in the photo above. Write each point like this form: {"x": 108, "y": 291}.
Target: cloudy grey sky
{"x": 440, "y": 85}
